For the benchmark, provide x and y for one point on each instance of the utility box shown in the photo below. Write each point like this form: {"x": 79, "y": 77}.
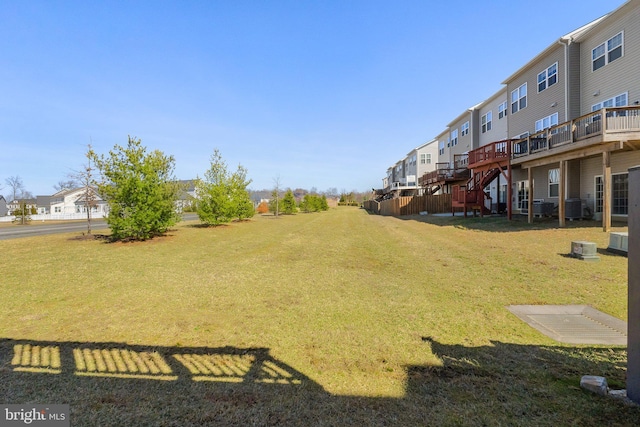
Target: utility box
{"x": 586, "y": 251}
{"x": 619, "y": 243}
{"x": 573, "y": 209}
{"x": 543, "y": 208}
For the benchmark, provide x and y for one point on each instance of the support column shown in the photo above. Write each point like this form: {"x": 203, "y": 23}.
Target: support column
{"x": 530, "y": 200}
{"x": 561, "y": 194}
{"x": 606, "y": 195}
{"x": 633, "y": 321}
{"x": 509, "y": 191}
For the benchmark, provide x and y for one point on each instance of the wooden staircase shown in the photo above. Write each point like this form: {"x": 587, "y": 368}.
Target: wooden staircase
{"x": 472, "y": 195}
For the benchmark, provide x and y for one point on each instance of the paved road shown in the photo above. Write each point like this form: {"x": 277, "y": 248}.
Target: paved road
{"x": 41, "y": 229}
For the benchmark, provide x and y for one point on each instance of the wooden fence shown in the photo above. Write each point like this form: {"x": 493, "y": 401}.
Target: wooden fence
{"x": 401, "y": 206}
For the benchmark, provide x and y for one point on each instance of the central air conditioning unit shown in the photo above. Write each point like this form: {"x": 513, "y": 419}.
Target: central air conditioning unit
{"x": 573, "y": 209}
{"x": 525, "y": 209}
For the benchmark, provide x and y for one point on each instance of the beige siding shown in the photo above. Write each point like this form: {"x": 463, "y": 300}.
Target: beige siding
{"x": 499, "y": 128}
{"x": 592, "y": 167}
{"x": 465, "y": 143}
{"x": 620, "y": 75}
{"x": 543, "y": 104}
{"x": 573, "y": 77}
{"x": 446, "y": 157}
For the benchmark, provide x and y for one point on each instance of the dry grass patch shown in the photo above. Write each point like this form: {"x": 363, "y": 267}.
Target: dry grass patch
{"x": 389, "y": 321}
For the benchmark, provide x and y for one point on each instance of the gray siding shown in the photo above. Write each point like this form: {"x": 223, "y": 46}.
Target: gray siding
{"x": 592, "y": 167}
{"x": 621, "y": 75}
{"x": 499, "y": 128}
{"x": 573, "y": 78}
{"x": 539, "y": 105}
{"x": 465, "y": 143}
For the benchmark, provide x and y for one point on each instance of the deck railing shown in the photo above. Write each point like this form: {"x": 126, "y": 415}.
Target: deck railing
{"x": 616, "y": 120}
{"x": 499, "y": 150}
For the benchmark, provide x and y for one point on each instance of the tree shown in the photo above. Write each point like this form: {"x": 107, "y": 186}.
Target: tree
{"x": 289, "y": 203}
{"x": 223, "y": 196}
{"x": 69, "y": 184}
{"x": 274, "y": 203}
{"x": 23, "y": 213}
{"x": 16, "y": 185}
{"x": 263, "y": 208}
{"x": 241, "y": 204}
{"x": 140, "y": 189}
{"x": 85, "y": 178}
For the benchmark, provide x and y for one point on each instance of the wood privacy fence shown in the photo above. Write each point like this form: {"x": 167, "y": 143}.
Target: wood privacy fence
{"x": 400, "y": 206}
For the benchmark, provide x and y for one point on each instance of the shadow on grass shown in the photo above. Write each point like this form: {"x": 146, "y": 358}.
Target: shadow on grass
{"x": 498, "y": 384}
{"x": 500, "y": 223}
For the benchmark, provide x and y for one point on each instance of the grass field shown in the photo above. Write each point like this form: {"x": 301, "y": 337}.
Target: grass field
{"x": 336, "y": 318}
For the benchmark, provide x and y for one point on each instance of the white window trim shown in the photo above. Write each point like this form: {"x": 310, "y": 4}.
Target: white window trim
{"x": 546, "y": 77}
{"x": 502, "y": 112}
{"x": 464, "y": 129}
{"x": 519, "y": 99}
{"x": 454, "y": 137}
{"x": 607, "y": 51}
{"x": 595, "y": 179}
{"x": 613, "y": 99}
{"x": 540, "y": 123}
{"x": 487, "y": 118}
{"x": 553, "y": 183}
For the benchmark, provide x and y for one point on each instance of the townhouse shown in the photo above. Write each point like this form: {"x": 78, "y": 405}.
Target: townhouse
{"x": 559, "y": 136}
{"x": 584, "y": 115}
{"x": 402, "y": 178}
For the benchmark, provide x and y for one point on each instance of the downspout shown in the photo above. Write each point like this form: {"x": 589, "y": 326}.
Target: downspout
{"x": 563, "y": 180}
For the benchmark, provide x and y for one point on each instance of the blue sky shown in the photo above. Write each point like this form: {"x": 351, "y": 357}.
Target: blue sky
{"x": 316, "y": 93}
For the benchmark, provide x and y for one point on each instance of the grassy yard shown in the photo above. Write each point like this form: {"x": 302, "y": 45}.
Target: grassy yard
{"x": 336, "y": 318}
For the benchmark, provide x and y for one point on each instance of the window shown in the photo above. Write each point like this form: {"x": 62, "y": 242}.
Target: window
{"x": 616, "y": 101}
{"x": 57, "y": 209}
{"x": 428, "y": 158}
{"x": 599, "y": 193}
{"x": 619, "y": 194}
{"x": 554, "y": 182}
{"x": 548, "y": 77}
{"x": 454, "y": 137}
{"x": 519, "y": 99}
{"x": 547, "y": 122}
{"x": 502, "y": 110}
{"x": 423, "y": 159}
{"x": 522, "y": 194}
{"x": 441, "y": 148}
{"x": 607, "y": 52}
{"x": 485, "y": 122}
{"x": 464, "y": 129}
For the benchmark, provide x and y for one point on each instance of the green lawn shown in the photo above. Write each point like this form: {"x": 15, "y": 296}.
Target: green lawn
{"x": 358, "y": 319}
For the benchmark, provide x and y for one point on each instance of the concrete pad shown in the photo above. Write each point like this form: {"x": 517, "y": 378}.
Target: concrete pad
{"x": 573, "y": 324}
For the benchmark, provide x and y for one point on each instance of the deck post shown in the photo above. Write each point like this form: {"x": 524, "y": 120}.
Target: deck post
{"x": 530, "y": 199}
{"x": 509, "y": 184}
{"x": 561, "y": 194}
{"x": 606, "y": 194}
{"x": 633, "y": 332}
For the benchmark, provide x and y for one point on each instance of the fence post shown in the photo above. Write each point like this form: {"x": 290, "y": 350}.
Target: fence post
{"x": 633, "y": 332}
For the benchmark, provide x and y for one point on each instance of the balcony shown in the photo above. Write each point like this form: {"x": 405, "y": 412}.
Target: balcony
{"x": 593, "y": 129}
{"x": 447, "y": 172}
{"x": 495, "y": 152}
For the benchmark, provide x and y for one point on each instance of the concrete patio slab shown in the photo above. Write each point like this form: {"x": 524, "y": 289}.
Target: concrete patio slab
{"x": 573, "y": 324}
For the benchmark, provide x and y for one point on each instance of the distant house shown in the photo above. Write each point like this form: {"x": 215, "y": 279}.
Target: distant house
{"x": 73, "y": 202}
{"x": 187, "y": 194}
{"x": 43, "y": 205}
{"x": 4, "y": 210}
{"x": 15, "y": 204}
